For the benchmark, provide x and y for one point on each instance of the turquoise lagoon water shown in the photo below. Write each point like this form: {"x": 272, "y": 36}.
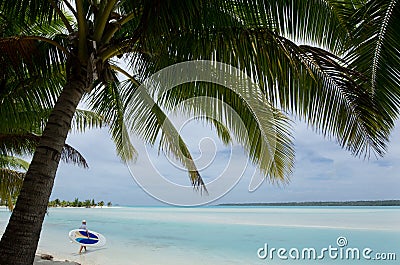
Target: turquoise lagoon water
{"x": 224, "y": 235}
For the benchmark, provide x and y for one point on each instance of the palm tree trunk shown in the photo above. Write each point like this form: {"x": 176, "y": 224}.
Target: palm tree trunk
{"x": 19, "y": 242}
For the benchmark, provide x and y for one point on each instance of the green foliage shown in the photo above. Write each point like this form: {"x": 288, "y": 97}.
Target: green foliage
{"x": 10, "y": 184}
{"x": 374, "y": 50}
{"x": 76, "y": 203}
{"x": 319, "y": 204}
{"x": 346, "y": 88}
{"x": 260, "y": 37}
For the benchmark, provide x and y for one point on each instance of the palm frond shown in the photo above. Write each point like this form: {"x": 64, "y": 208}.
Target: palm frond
{"x": 23, "y": 144}
{"x": 373, "y": 50}
{"x": 18, "y": 144}
{"x": 256, "y": 131}
{"x": 35, "y": 10}
{"x": 25, "y": 56}
{"x": 264, "y": 133}
{"x": 71, "y": 156}
{"x": 13, "y": 27}
{"x": 11, "y": 178}
{"x": 10, "y": 185}
{"x": 309, "y": 82}
{"x": 86, "y": 119}
{"x": 12, "y": 162}
{"x": 344, "y": 109}
{"x": 222, "y": 131}
{"x": 147, "y": 120}
{"x": 107, "y": 102}
{"x": 317, "y": 22}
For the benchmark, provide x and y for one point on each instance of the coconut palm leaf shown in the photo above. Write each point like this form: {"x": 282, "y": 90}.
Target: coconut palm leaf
{"x": 31, "y": 48}
{"x": 147, "y": 120}
{"x": 36, "y": 57}
{"x": 12, "y": 162}
{"x": 18, "y": 144}
{"x": 309, "y": 82}
{"x": 107, "y": 102}
{"x": 151, "y": 121}
{"x": 317, "y": 22}
{"x": 85, "y": 119}
{"x": 25, "y": 144}
{"x": 72, "y": 156}
{"x": 32, "y": 10}
{"x": 257, "y": 127}
{"x": 11, "y": 178}
{"x": 374, "y": 50}
{"x": 10, "y": 184}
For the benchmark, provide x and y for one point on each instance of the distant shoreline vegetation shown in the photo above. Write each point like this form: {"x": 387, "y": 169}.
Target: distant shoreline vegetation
{"x": 77, "y": 203}
{"x": 328, "y": 203}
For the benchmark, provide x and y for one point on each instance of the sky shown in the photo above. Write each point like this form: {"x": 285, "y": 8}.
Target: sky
{"x": 323, "y": 172}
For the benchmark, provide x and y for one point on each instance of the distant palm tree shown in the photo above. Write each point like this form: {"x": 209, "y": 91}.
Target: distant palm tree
{"x": 256, "y": 36}
{"x": 64, "y": 203}
{"x": 75, "y": 203}
{"x": 87, "y": 203}
{"x": 57, "y": 202}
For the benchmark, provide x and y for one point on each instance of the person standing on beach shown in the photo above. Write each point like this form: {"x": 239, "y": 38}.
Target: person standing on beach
{"x": 83, "y": 226}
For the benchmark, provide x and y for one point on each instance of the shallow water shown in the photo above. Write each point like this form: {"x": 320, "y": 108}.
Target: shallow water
{"x": 224, "y": 235}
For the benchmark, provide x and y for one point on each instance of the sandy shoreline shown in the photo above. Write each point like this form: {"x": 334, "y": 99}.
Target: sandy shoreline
{"x": 40, "y": 261}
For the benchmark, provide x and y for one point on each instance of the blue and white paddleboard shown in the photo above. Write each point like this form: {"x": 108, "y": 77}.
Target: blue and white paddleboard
{"x": 80, "y": 236}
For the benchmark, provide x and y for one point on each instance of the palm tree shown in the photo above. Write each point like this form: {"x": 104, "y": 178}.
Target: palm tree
{"x": 57, "y": 202}
{"x": 11, "y": 178}
{"x": 87, "y": 203}
{"x": 13, "y": 168}
{"x": 64, "y": 203}
{"x": 256, "y": 36}
{"x": 20, "y": 136}
{"x": 75, "y": 203}
{"x": 24, "y": 110}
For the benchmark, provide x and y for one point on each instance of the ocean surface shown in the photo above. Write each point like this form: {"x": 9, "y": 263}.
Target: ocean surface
{"x": 226, "y": 235}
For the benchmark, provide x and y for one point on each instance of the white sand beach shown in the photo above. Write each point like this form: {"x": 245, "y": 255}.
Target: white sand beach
{"x": 39, "y": 260}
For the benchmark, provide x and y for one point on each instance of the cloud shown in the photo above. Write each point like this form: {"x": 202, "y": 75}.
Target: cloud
{"x": 383, "y": 163}
{"x": 322, "y": 160}
{"x": 323, "y": 171}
